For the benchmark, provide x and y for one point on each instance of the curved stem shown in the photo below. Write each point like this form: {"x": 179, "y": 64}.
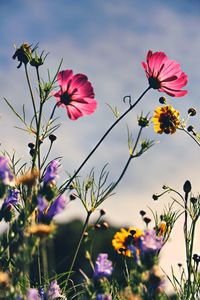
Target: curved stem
{"x": 78, "y": 247}
{"x": 183, "y": 129}
{"x": 103, "y": 137}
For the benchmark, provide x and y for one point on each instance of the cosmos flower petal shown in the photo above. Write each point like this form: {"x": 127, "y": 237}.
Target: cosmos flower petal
{"x": 64, "y": 78}
{"x": 77, "y": 81}
{"x": 164, "y": 74}
{"x": 76, "y": 94}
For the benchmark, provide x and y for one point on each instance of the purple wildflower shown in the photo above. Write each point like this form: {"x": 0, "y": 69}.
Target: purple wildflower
{"x": 103, "y": 297}
{"x": 46, "y": 214}
{"x": 51, "y": 172}
{"x": 42, "y": 206}
{"x": 54, "y": 291}
{"x": 32, "y": 294}
{"x": 12, "y": 199}
{"x": 150, "y": 242}
{"x": 56, "y": 207}
{"x": 103, "y": 266}
{"x": 5, "y": 173}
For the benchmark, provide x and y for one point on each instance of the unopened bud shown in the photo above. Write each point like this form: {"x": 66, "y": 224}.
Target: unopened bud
{"x": 97, "y": 226}
{"x": 187, "y": 186}
{"x": 72, "y": 197}
{"x": 192, "y": 111}
{"x": 193, "y": 200}
{"x": 155, "y": 197}
{"x": 31, "y": 145}
{"x": 104, "y": 225}
{"x": 190, "y": 128}
{"x": 162, "y": 100}
{"x": 102, "y": 212}
{"x": 142, "y": 213}
{"x": 147, "y": 220}
{"x": 52, "y": 137}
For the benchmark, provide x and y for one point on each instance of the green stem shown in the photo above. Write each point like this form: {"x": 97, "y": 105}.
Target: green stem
{"x": 124, "y": 170}
{"x": 31, "y": 92}
{"x": 44, "y": 261}
{"x": 190, "y": 253}
{"x": 183, "y": 129}
{"x": 78, "y": 247}
{"x": 103, "y": 137}
{"x": 39, "y": 265}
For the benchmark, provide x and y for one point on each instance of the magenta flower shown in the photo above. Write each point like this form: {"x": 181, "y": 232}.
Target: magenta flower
{"x": 103, "y": 266}
{"x": 164, "y": 74}
{"x": 51, "y": 172}
{"x": 76, "y": 94}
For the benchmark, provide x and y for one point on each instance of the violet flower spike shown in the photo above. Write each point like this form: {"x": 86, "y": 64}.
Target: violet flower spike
{"x": 150, "y": 242}
{"x": 56, "y": 207}
{"x": 32, "y": 294}
{"x": 5, "y": 173}
{"x": 12, "y": 199}
{"x": 51, "y": 172}
{"x": 54, "y": 291}
{"x": 103, "y": 266}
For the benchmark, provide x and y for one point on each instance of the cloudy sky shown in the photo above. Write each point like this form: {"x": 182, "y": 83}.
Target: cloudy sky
{"x": 107, "y": 40}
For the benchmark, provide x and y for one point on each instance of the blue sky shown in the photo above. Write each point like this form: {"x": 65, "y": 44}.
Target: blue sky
{"x": 107, "y": 40}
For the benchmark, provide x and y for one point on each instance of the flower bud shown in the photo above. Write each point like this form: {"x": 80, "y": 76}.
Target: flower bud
{"x": 104, "y": 225}
{"x": 162, "y": 100}
{"x": 192, "y": 111}
{"x": 102, "y": 212}
{"x": 142, "y": 213}
{"x": 190, "y": 128}
{"x": 23, "y": 54}
{"x": 72, "y": 197}
{"x": 31, "y": 145}
{"x": 187, "y": 186}
{"x": 143, "y": 121}
{"x": 97, "y": 226}
{"x": 147, "y": 220}
{"x": 52, "y": 137}
{"x": 193, "y": 200}
{"x": 155, "y": 197}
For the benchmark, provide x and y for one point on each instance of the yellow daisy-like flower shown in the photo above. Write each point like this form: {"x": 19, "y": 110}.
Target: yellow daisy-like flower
{"x": 166, "y": 119}
{"x": 124, "y": 237}
{"x": 41, "y": 230}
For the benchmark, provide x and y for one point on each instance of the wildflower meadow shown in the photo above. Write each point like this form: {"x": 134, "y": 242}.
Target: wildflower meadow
{"x": 33, "y": 195}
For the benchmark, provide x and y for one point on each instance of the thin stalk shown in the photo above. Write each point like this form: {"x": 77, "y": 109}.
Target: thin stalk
{"x": 124, "y": 170}
{"x": 191, "y": 251}
{"x": 78, "y": 247}
{"x": 103, "y": 137}
{"x": 39, "y": 265}
{"x": 31, "y": 92}
{"x": 183, "y": 129}
{"x": 187, "y": 243}
{"x": 44, "y": 261}
{"x": 37, "y": 142}
{"x": 47, "y": 155}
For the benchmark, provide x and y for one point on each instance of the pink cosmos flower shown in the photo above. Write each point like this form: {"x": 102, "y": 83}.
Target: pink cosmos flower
{"x": 165, "y": 74}
{"x": 76, "y": 94}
